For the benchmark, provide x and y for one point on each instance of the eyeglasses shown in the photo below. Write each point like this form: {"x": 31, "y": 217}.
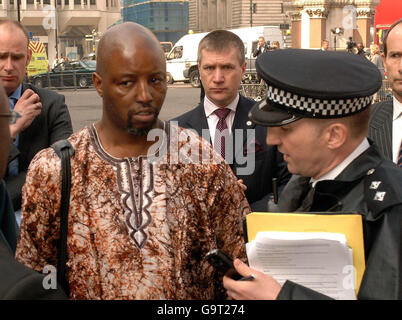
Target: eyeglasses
{"x": 12, "y": 116}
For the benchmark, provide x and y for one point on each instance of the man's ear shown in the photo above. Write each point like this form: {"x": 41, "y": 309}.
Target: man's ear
{"x": 29, "y": 56}
{"x": 384, "y": 64}
{"x": 243, "y": 68}
{"x": 337, "y": 134}
{"x": 97, "y": 80}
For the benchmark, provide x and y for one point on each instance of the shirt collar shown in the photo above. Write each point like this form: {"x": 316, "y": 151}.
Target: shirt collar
{"x": 363, "y": 146}
{"x": 397, "y": 109}
{"x": 210, "y": 107}
{"x": 17, "y": 93}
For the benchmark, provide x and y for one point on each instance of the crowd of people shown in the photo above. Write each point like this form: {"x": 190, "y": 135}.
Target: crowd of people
{"x": 150, "y": 198}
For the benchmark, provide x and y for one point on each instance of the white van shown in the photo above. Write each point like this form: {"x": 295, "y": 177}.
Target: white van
{"x": 181, "y": 62}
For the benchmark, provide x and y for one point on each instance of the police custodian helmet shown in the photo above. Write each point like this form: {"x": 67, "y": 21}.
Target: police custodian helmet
{"x": 314, "y": 84}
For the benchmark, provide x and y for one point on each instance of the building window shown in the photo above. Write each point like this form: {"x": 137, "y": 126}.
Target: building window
{"x": 77, "y": 2}
{"x": 46, "y": 1}
{"x": 66, "y": 2}
{"x": 30, "y": 1}
{"x": 92, "y": 2}
{"x": 107, "y": 3}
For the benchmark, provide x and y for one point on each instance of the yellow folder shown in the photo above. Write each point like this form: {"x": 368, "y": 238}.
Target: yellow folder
{"x": 349, "y": 224}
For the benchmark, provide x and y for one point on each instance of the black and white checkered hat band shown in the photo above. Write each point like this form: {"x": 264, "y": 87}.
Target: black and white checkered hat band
{"x": 317, "y": 107}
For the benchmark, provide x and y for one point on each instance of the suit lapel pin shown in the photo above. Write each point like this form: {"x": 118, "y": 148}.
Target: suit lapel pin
{"x": 249, "y": 123}
{"x": 375, "y": 184}
{"x": 379, "y": 196}
{"x": 371, "y": 171}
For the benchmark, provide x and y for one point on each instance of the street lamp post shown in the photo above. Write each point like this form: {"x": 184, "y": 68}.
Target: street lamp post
{"x": 337, "y": 32}
{"x": 18, "y": 11}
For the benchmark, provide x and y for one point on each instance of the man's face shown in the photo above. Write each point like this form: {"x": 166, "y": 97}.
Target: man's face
{"x": 325, "y": 45}
{"x": 14, "y": 57}
{"x": 4, "y": 132}
{"x": 133, "y": 89}
{"x": 302, "y": 146}
{"x": 261, "y": 42}
{"x": 359, "y": 46}
{"x": 393, "y": 61}
{"x": 221, "y": 74}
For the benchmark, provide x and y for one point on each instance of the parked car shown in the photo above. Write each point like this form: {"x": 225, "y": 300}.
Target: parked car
{"x": 77, "y": 74}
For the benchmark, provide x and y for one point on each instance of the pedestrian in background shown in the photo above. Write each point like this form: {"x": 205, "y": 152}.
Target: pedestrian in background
{"x": 224, "y": 111}
{"x": 386, "y": 117}
{"x": 44, "y": 115}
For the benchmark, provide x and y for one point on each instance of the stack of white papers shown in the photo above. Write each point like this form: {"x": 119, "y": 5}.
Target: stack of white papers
{"x": 320, "y": 261}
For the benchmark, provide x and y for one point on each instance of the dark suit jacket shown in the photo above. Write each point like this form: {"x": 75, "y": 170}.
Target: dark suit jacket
{"x": 380, "y": 128}
{"x": 8, "y": 224}
{"x": 51, "y": 125}
{"x": 17, "y": 282}
{"x": 268, "y": 161}
{"x": 257, "y": 51}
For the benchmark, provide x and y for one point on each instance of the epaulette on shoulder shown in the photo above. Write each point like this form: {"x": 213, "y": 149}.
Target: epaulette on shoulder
{"x": 383, "y": 187}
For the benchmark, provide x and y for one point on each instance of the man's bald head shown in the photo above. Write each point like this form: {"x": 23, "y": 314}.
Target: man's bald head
{"x": 126, "y": 36}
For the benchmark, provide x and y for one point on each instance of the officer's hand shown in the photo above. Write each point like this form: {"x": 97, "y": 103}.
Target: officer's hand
{"x": 242, "y": 185}
{"x": 28, "y": 106}
{"x": 263, "y": 287}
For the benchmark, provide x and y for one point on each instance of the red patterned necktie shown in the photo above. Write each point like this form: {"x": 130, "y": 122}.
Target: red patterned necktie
{"x": 400, "y": 156}
{"x": 220, "y": 132}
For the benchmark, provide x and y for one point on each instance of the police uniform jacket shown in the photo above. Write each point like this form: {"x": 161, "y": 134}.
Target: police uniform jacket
{"x": 371, "y": 186}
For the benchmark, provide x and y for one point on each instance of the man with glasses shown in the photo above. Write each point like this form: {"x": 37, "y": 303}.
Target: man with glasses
{"x": 44, "y": 117}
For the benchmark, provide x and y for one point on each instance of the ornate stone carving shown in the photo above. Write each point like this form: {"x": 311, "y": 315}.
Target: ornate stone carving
{"x": 295, "y": 16}
{"x": 364, "y": 13}
{"x": 317, "y": 13}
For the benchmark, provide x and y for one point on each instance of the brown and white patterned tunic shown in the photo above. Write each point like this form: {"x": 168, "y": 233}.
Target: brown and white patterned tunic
{"x": 138, "y": 228}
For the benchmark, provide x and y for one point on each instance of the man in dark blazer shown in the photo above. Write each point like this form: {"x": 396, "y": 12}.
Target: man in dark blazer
{"x": 44, "y": 117}
{"x": 386, "y": 116}
{"x": 380, "y": 129}
{"x": 16, "y": 280}
{"x": 262, "y": 47}
{"x": 221, "y": 63}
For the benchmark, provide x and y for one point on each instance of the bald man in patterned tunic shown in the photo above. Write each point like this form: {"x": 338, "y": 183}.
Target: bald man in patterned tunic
{"x": 143, "y": 213}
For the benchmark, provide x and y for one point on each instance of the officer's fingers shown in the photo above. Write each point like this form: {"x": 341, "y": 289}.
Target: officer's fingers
{"x": 242, "y": 185}
{"x": 232, "y": 295}
{"x": 242, "y": 268}
{"x": 238, "y": 290}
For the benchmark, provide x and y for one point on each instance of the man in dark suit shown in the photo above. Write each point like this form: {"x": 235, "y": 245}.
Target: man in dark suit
{"x": 386, "y": 117}
{"x": 44, "y": 117}
{"x": 262, "y": 47}
{"x": 16, "y": 280}
{"x": 240, "y": 142}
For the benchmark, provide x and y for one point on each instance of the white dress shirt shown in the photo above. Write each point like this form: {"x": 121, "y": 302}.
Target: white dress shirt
{"x": 363, "y": 146}
{"x": 396, "y": 129}
{"x": 213, "y": 119}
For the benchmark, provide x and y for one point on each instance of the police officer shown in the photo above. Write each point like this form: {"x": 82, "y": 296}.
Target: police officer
{"x": 319, "y": 121}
